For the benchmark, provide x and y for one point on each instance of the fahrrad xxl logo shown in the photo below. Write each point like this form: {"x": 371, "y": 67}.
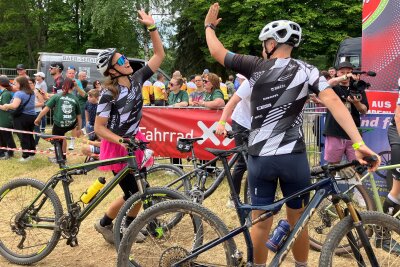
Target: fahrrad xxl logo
{"x": 209, "y": 134}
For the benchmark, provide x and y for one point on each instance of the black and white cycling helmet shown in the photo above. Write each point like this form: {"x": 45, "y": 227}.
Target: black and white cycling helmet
{"x": 103, "y": 60}
{"x": 282, "y": 31}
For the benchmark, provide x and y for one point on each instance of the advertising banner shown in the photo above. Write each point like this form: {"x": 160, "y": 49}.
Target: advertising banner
{"x": 382, "y": 101}
{"x": 381, "y": 43}
{"x": 163, "y": 126}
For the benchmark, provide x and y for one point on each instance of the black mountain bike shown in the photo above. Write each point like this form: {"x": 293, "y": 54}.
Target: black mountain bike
{"x": 199, "y": 181}
{"x": 32, "y": 219}
{"x": 178, "y": 245}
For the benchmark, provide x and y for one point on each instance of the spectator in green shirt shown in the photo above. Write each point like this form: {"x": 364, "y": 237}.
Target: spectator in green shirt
{"x": 67, "y": 112}
{"x": 177, "y": 97}
{"x": 6, "y": 138}
{"x": 213, "y": 98}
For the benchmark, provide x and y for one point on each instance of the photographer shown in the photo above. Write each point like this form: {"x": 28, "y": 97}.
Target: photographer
{"x": 352, "y": 93}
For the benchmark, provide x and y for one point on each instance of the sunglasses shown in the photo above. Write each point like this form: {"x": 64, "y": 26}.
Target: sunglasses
{"x": 121, "y": 60}
{"x": 172, "y": 84}
{"x": 71, "y": 68}
{"x": 205, "y": 81}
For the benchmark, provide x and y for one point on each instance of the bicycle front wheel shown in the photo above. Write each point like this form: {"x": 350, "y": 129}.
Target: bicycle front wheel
{"x": 325, "y": 218}
{"x": 165, "y": 246}
{"x": 28, "y": 235}
{"x": 383, "y": 232}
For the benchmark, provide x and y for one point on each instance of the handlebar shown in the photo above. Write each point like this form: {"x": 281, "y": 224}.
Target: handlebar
{"x": 232, "y": 134}
{"x": 328, "y": 168}
{"x": 134, "y": 144}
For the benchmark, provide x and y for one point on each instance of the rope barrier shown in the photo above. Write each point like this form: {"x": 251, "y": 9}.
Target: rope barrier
{"x": 42, "y": 151}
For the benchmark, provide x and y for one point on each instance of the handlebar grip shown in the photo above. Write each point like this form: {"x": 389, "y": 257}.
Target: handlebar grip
{"x": 317, "y": 170}
{"x": 371, "y": 159}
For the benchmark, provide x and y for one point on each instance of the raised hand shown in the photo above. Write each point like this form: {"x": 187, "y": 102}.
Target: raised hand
{"x": 212, "y": 15}
{"x": 145, "y": 18}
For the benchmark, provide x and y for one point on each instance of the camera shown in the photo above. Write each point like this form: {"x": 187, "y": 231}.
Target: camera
{"x": 357, "y": 87}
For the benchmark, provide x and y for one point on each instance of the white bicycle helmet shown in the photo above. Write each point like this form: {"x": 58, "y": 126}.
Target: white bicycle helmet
{"x": 103, "y": 60}
{"x": 282, "y": 31}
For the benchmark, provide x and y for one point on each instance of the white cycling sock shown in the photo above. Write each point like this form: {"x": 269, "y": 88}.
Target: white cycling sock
{"x": 394, "y": 199}
{"x": 300, "y": 264}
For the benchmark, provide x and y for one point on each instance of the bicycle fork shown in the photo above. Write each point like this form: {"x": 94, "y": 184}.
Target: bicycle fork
{"x": 358, "y": 225}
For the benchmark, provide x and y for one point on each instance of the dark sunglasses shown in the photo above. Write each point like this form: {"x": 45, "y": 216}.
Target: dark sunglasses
{"x": 205, "y": 81}
{"x": 172, "y": 84}
{"x": 71, "y": 68}
{"x": 121, "y": 60}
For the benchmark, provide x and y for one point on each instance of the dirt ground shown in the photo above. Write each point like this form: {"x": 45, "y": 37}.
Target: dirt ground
{"x": 93, "y": 251}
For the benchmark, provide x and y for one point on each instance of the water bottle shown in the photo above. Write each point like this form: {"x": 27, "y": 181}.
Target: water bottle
{"x": 93, "y": 190}
{"x": 279, "y": 236}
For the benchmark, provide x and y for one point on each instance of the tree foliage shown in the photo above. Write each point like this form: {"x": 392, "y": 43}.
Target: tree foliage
{"x": 72, "y": 26}
{"x": 325, "y": 24}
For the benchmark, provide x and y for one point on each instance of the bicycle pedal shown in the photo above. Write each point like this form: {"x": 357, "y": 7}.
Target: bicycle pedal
{"x": 73, "y": 242}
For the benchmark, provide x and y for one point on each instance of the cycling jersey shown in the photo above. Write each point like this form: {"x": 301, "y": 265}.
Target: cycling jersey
{"x": 147, "y": 90}
{"x": 125, "y": 112}
{"x": 280, "y": 90}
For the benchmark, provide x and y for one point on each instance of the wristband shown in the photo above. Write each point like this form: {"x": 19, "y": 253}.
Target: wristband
{"x": 121, "y": 141}
{"x": 222, "y": 123}
{"x": 151, "y": 28}
{"x": 212, "y": 26}
{"x": 357, "y": 146}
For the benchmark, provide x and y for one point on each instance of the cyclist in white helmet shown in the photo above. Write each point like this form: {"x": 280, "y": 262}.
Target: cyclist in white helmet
{"x": 279, "y": 86}
{"x": 119, "y": 113}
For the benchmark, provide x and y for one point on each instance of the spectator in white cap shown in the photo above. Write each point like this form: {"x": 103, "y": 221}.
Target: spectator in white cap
{"x": 40, "y": 84}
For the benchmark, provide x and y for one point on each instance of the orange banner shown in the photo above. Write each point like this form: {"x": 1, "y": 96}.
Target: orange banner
{"x": 163, "y": 126}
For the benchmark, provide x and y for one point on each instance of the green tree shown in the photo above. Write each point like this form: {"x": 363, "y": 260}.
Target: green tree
{"x": 325, "y": 23}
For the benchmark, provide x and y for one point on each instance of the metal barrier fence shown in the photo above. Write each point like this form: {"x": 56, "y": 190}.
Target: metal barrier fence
{"x": 12, "y": 73}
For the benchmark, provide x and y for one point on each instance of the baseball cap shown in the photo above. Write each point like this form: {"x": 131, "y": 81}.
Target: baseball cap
{"x": 40, "y": 74}
{"x": 20, "y": 67}
{"x": 345, "y": 64}
{"x": 4, "y": 81}
{"x": 58, "y": 65}
{"x": 240, "y": 76}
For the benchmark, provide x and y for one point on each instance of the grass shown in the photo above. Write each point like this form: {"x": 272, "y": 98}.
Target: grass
{"x": 93, "y": 250}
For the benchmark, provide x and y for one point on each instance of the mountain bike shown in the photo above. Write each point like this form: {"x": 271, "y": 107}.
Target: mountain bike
{"x": 177, "y": 246}
{"x": 202, "y": 186}
{"x": 32, "y": 219}
{"x": 327, "y": 217}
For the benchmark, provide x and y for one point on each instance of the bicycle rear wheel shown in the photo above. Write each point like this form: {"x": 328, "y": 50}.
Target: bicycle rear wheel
{"x": 27, "y": 236}
{"x": 325, "y": 218}
{"x": 381, "y": 229}
{"x": 165, "y": 246}
{"x": 163, "y": 174}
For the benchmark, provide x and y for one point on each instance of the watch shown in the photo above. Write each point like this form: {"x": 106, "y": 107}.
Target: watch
{"x": 212, "y": 26}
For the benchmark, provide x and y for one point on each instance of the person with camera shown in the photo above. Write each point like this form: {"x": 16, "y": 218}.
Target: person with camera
{"x": 345, "y": 85}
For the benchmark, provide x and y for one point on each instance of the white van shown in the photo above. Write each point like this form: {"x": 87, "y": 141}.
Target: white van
{"x": 83, "y": 63}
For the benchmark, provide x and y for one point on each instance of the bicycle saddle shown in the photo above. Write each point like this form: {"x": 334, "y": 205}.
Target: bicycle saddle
{"x": 222, "y": 152}
{"x": 190, "y": 140}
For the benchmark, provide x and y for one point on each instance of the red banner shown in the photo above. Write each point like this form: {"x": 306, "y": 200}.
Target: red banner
{"x": 382, "y": 101}
{"x": 381, "y": 43}
{"x": 163, "y": 126}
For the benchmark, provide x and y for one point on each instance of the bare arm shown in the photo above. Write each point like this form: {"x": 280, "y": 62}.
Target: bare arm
{"x": 40, "y": 100}
{"x": 217, "y": 49}
{"x": 215, "y": 104}
{"x": 227, "y": 113}
{"x": 41, "y": 114}
{"x": 13, "y": 105}
{"x": 397, "y": 118}
{"x": 158, "y": 49}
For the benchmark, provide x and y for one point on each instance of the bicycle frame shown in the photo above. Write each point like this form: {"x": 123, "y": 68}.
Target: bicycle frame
{"x": 219, "y": 178}
{"x": 323, "y": 188}
{"x": 64, "y": 175}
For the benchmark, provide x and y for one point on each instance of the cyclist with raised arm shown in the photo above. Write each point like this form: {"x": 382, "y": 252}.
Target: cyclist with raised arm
{"x": 119, "y": 113}
{"x": 280, "y": 87}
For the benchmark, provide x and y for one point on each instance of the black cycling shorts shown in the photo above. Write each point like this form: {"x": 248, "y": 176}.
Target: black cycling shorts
{"x": 129, "y": 185}
{"x": 291, "y": 170}
{"x": 61, "y": 131}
